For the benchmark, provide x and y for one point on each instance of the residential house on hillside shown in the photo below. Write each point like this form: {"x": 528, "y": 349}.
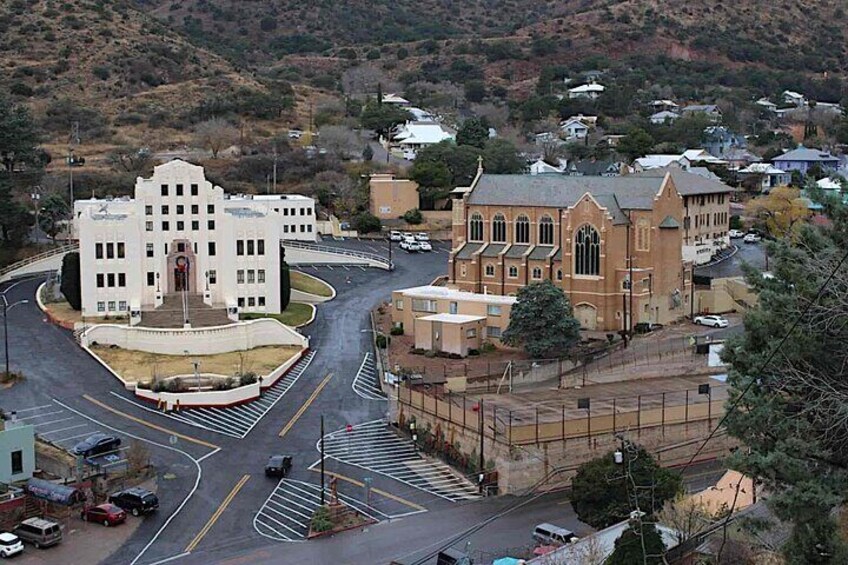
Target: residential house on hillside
{"x": 541, "y": 167}
{"x": 421, "y": 115}
{"x": 395, "y": 99}
{"x": 574, "y": 129}
{"x": 802, "y": 158}
{"x": 793, "y": 98}
{"x": 769, "y": 176}
{"x": 718, "y": 140}
{"x": 702, "y": 156}
{"x": 766, "y": 105}
{"x": 415, "y": 135}
{"x": 597, "y": 168}
{"x": 612, "y": 139}
{"x": 683, "y": 161}
{"x": 664, "y": 105}
{"x": 591, "y": 91}
{"x": 663, "y": 117}
{"x": 738, "y": 158}
{"x": 712, "y": 111}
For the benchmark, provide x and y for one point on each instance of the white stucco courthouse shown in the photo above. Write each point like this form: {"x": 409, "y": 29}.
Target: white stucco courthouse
{"x": 181, "y": 236}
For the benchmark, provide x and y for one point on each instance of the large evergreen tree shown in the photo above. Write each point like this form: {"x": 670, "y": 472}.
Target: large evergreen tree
{"x": 603, "y": 493}
{"x": 285, "y": 286}
{"x": 474, "y": 132}
{"x": 541, "y": 321}
{"x": 789, "y": 396}
{"x": 18, "y": 136}
{"x": 638, "y": 544}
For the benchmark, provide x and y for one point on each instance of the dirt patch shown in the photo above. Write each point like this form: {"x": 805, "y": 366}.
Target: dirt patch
{"x": 143, "y": 366}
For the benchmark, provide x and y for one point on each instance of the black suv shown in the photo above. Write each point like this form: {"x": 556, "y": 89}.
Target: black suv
{"x": 278, "y": 466}
{"x": 135, "y": 500}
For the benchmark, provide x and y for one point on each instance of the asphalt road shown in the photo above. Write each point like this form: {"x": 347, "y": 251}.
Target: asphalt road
{"x": 212, "y": 486}
{"x": 750, "y": 253}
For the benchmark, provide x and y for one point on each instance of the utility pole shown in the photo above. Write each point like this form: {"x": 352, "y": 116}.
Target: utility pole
{"x": 630, "y": 266}
{"x": 322, "y": 460}
{"x": 390, "y": 256}
{"x": 72, "y": 142}
{"x": 482, "y": 459}
{"x": 275, "y": 167}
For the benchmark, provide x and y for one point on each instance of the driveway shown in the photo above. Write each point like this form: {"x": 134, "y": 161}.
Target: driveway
{"x": 751, "y": 253}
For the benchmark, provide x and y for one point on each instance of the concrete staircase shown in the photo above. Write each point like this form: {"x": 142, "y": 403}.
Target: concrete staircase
{"x": 170, "y": 313}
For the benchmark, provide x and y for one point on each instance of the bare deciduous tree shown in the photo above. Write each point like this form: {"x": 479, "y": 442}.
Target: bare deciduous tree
{"x": 131, "y": 159}
{"x": 363, "y": 81}
{"x": 686, "y": 515}
{"x": 496, "y": 114}
{"x": 340, "y": 141}
{"x": 215, "y": 134}
{"x": 138, "y": 458}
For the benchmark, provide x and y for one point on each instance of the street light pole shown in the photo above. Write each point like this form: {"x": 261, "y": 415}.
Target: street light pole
{"x": 322, "y": 460}
{"x": 6, "y": 308}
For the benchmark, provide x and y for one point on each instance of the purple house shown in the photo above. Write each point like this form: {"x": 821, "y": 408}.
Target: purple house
{"x": 802, "y": 158}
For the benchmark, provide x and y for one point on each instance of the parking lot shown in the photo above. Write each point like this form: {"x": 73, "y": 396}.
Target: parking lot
{"x": 237, "y": 421}
{"x": 374, "y": 447}
{"x": 64, "y": 429}
{"x": 366, "y": 384}
{"x": 381, "y": 246}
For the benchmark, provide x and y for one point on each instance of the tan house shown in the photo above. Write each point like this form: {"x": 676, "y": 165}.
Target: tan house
{"x": 451, "y": 320}
{"x": 589, "y": 235}
{"x": 391, "y": 198}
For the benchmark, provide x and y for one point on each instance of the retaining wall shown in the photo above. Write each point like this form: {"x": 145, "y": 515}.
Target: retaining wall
{"x": 197, "y": 341}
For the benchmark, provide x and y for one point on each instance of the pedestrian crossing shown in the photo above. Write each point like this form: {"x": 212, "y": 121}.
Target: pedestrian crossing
{"x": 236, "y": 421}
{"x": 373, "y": 446}
{"x": 286, "y": 514}
{"x": 366, "y": 383}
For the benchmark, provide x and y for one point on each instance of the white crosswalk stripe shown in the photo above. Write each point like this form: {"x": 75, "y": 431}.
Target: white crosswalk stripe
{"x": 286, "y": 514}
{"x": 236, "y": 421}
{"x": 366, "y": 384}
{"x": 374, "y": 447}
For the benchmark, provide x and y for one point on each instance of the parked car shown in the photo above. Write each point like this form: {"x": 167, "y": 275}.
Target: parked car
{"x": 712, "y": 320}
{"x": 645, "y": 327}
{"x": 736, "y": 234}
{"x": 96, "y": 444}
{"x": 549, "y": 534}
{"x": 410, "y": 245}
{"x": 39, "y": 532}
{"x": 10, "y": 545}
{"x": 425, "y": 246}
{"x": 395, "y": 236}
{"x": 751, "y": 238}
{"x": 278, "y": 466}
{"x": 421, "y": 236}
{"x": 408, "y": 235}
{"x": 106, "y": 514}
{"x": 135, "y": 500}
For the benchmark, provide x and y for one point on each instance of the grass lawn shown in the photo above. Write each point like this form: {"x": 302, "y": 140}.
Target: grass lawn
{"x": 140, "y": 365}
{"x": 295, "y": 315}
{"x": 306, "y": 283}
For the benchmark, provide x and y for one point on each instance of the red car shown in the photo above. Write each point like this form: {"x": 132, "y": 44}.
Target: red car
{"x": 106, "y": 514}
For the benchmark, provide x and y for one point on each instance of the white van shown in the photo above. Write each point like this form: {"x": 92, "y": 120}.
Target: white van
{"x": 549, "y": 534}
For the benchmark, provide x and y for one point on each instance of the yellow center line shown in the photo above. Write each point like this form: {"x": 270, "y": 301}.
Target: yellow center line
{"x": 205, "y": 530}
{"x": 306, "y": 405}
{"x": 378, "y": 491}
{"x": 149, "y": 424}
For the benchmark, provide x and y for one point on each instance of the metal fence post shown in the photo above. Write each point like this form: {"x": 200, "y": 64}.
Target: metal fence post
{"x": 686, "y": 413}
{"x": 463, "y": 410}
{"x": 613, "y": 415}
{"x": 510, "y": 427}
{"x": 563, "y": 424}
{"x": 663, "y": 413}
{"x": 537, "y": 425}
{"x": 639, "y": 415}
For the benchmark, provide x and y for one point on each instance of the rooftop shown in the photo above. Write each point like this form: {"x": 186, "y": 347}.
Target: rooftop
{"x": 688, "y": 183}
{"x": 806, "y": 154}
{"x": 430, "y": 291}
{"x": 452, "y": 318}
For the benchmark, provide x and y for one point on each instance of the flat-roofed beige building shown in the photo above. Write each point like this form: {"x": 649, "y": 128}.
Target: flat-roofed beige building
{"x": 451, "y": 320}
{"x": 391, "y": 198}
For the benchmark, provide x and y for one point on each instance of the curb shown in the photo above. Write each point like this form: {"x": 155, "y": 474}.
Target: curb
{"x": 50, "y": 317}
{"x": 723, "y": 259}
{"x": 318, "y": 298}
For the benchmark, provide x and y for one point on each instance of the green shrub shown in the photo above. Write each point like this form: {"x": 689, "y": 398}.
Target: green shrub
{"x": 473, "y": 352}
{"x": 396, "y": 330}
{"x": 247, "y": 379}
{"x": 71, "y": 287}
{"x": 101, "y": 72}
{"x": 413, "y": 216}
{"x": 487, "y": 347}
{"x": 366, "y": 222}
{"x": 382, "y": 341}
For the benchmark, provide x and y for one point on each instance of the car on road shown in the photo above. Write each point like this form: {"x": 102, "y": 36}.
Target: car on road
{"x": 646, "y": 327}
{"x": 421, "y": 236}
{"x": 10, "y": 545}
{"x": 395, "y": 236}
{"x": 410, "y": 245}
{"x": 712, "y": 321}
{"x": 751, "y": 238}
{"x": 549, "y": 534}
{"x": 425, "y": 246}
{"x": 736, "y": 234}
{"x": 106, "y": 514}
{"x": 135, "y": 500}
{"x": 39, "y": 532}
{"x": 278, "y": 466}
{"x": 96, "y": 444}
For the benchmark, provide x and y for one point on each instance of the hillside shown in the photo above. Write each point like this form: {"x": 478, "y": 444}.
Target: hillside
{"x": 107, "y": 66}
